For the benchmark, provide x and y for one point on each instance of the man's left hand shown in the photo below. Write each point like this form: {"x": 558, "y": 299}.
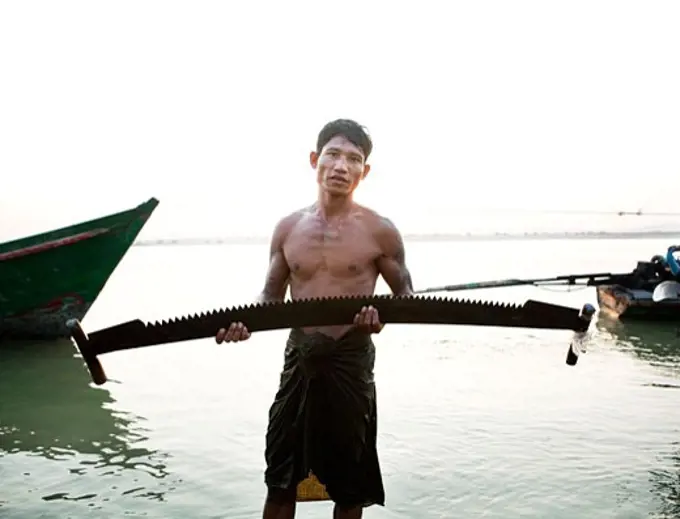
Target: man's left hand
{"x": 368, "y": 320}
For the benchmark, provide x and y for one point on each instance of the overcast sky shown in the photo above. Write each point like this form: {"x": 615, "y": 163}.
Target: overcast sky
{"x": 213, "y": 107}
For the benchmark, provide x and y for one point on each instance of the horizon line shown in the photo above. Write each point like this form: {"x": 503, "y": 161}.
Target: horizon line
{"x": 425, "y": 237}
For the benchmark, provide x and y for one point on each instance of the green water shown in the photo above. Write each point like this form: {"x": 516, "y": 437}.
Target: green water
{"x": 473, "y": 422}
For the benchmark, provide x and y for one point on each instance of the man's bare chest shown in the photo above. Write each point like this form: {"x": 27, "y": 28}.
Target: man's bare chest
{"x": 342, "y": 250}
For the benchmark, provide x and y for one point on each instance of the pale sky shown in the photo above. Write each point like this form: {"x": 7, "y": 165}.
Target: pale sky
{"x": 213, "y": 107}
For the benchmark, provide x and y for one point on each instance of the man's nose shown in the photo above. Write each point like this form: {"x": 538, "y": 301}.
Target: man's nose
{"x": 340, "y": 164}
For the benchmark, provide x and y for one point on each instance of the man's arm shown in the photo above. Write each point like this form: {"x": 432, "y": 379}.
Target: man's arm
{"x": 275, "y": 284}
{"x": 278, "y": 272}
{"x": 392, "y": 260}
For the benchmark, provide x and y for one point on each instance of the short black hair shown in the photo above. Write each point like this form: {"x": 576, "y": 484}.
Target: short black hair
{"x": 350, "y": 130}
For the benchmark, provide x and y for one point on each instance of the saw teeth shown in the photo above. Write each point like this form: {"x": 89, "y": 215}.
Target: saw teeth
{"x": 328, "y": 311}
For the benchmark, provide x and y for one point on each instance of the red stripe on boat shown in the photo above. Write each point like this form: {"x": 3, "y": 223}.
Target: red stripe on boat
{"x": 53, "y": 244}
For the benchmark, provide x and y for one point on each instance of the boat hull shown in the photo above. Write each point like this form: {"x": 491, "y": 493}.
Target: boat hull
{"x": 49, "y": 278}
{"x": 624, "y": 303}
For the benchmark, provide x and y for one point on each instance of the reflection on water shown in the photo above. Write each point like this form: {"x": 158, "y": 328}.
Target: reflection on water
{"x": 51, "y": 414}
{"x": 656, "y": 343}
{"x": 459, "y": 435}
{"x": 659, "y": 345}
{"x": 666, "y": 482}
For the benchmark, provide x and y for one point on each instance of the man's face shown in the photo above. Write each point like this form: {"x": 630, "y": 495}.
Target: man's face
{"x": 340, "y": 166}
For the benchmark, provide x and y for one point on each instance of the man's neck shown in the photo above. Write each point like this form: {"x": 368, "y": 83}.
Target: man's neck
{"x": 330, "y": 206}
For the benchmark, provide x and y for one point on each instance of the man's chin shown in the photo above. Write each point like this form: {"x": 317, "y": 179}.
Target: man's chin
{"x": 338, "y": 190}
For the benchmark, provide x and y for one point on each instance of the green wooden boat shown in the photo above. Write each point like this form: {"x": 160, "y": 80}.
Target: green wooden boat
{"x": 49, "y": 278}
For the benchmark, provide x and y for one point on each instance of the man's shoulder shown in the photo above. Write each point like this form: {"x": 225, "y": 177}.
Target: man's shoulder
{"x": 286, "y": 223}
{"x": 293, "y": 216}
{"x": 377, "y": 221}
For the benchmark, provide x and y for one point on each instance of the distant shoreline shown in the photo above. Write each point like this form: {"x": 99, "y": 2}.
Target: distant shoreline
{"x": 262, "y": 240}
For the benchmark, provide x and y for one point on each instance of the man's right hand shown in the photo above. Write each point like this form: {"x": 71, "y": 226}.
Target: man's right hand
{"x": 235, "y": 333}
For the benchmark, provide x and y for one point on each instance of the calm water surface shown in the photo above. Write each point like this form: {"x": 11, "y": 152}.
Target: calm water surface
{"x": 473, "y": 422}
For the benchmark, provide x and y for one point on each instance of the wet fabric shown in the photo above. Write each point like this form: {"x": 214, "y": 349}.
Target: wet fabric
{"x": 324, "y": 420}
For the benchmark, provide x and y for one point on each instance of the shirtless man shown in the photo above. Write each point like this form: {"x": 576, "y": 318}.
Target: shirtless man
{"x": 323, "y": 417}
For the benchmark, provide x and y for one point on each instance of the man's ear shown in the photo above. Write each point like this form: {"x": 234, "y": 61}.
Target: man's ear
{"x": 313, "y": 159}
{"x": 367, "y": 168}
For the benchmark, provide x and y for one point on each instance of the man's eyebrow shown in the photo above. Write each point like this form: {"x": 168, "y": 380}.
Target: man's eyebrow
{"x": 351, "y": 153}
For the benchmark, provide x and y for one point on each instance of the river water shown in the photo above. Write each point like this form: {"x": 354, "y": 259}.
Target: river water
{"x": 472, "y": 422}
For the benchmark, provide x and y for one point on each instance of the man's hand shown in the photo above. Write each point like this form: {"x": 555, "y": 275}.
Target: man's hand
{"x": 368, "y": 320}
{"x": 235, "y": 333}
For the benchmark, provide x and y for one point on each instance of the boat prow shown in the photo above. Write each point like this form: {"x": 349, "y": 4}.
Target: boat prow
{"x": 48, "y": 278}
{"x": 625, "y": 303}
